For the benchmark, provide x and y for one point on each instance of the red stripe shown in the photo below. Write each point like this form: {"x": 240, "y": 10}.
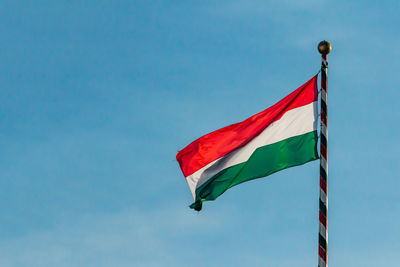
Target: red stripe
{"x": 322, "y": 184}
{"x": 323, "y": 151}
{"x": 219, "y": 143}
{"x": 322, "y": 219}
{"x": 324, "y": 118}
{"x": 322, "y": 253}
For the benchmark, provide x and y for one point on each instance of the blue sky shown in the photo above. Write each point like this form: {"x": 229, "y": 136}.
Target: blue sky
{"x": 97, "y": 98}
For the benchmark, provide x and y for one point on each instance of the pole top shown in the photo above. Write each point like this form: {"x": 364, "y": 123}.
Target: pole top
{"x": 324, "y": 47}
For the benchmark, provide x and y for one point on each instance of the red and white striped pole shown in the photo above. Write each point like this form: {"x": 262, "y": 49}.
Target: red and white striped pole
{"x": 324, "y": 48}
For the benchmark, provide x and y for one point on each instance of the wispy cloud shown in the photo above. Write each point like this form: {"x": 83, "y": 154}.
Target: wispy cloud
{"x": 128, "y": 238}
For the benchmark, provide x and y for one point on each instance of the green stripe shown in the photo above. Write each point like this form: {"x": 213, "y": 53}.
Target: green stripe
{"x": 264, "y": 161}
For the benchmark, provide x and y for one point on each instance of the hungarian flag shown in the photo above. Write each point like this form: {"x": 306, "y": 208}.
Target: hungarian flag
{"x": 277, "y": 138}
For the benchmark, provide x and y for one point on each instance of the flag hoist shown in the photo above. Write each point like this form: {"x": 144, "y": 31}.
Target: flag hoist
{"x": 324, "y": 48}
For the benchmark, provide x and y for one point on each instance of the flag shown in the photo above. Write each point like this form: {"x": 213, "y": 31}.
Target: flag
{"x": 277, "y": 138}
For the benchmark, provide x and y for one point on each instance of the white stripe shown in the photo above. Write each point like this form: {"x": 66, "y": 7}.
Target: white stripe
{"x": 323, "y": 164}
{"x": 324, "y": 130}
{"x": 324, "y": 96}
{"x": 322, "y": 196}
{"x": 321, "y": 262}
{"x": 322, "y": 231}
{"x": 295, "y": 122}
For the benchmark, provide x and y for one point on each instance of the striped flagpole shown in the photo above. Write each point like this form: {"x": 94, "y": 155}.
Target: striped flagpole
{"x": 324, "y": 48}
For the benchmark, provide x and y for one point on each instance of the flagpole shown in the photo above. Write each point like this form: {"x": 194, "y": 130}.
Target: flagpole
{"x": 324, "y": 48}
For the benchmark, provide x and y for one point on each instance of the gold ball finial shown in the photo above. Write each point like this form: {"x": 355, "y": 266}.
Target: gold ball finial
{"x": 324, "y": 47}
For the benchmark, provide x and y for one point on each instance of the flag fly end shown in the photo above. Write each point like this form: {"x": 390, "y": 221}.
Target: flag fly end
{"x": 197, "y": 205}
